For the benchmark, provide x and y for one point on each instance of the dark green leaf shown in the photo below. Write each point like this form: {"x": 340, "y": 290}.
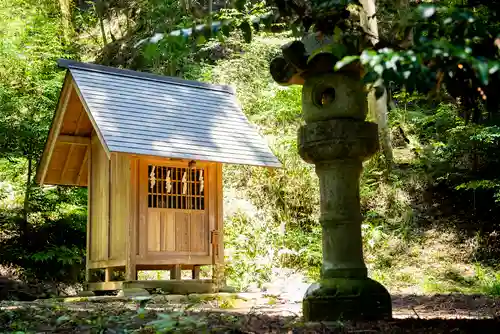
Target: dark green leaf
{"x": 483, "y": 72}
{"x": 239, "y": 4}
{"x": 370, "y": 77}
{"x": 226, "y": 30}
{"x": 339, "y": 50}
{"x": 246, "y": 29}
{"x": 200, "y": 40}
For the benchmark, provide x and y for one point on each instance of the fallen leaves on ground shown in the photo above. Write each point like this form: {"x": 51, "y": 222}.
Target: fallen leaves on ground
{"x": 129, "y": 317}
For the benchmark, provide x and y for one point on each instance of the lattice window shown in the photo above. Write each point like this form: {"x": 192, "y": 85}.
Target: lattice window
{"x": 176, "y": 188}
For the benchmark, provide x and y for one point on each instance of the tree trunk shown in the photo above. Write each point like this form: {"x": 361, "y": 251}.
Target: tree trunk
{"x": 377, "y": 97}
{"x": 24, "y": 222}
{"x": 210, "y": 3}
{"x": 65, "y": 6}
{"x": 99, "y": 9}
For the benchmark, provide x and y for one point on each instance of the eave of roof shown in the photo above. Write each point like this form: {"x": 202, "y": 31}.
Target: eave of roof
{"x": 68, "y": 64}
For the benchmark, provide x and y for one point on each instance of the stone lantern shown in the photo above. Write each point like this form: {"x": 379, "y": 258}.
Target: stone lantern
{"x": 336, "y": 139}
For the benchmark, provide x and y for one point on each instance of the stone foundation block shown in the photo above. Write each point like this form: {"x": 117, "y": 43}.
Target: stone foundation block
{"x": 336, "y": 299}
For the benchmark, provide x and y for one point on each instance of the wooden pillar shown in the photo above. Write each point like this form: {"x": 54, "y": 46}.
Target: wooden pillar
{"x": 108, "y": 274}
{"x": 219, "y": 277}
{"x": 196, "y": 272}
{"x": 130, "y": 273}
{"x": 217, "y": 269}
{"x": 175, "y": 272}
{"x": 132, "y": 230}
{"x": 89, "y": 213}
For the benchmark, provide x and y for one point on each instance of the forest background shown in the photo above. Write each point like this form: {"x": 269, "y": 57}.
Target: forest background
{"x": 431, "y": 205}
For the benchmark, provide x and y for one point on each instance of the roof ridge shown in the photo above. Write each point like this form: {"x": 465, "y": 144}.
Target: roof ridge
{"x": 68, "y": 64}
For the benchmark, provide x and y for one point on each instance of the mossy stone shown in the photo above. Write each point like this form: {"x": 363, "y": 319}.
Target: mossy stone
{"x": 133, "y": 292}
{"x": 339, "y": 298}
{"x": 86, "y": 293}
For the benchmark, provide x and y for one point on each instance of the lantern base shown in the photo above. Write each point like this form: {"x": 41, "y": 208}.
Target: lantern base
{"x": 334, "y": 299}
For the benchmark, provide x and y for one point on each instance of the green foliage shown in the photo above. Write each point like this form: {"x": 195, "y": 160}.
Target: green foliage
{"x": 160, "y": 15}
{"x": 252, "y": 263}
{"x": 29, "y": 83}
{"x": 287, "y": 198}
{"x": 30, "y": 44}
{"x": 169, "y": 56}
{"x": 54, "y": 248}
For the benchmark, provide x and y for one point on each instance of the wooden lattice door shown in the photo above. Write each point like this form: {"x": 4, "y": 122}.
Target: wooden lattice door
{"x": 178, "y": 222}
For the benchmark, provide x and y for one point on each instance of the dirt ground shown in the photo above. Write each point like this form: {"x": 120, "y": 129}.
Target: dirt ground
{"x": 244, "y": 313}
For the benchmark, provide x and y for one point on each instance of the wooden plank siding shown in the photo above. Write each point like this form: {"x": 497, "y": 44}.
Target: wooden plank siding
{"x": 120, "y": 205}
{"x": 123, "y": 230}
{"x": 176, "y": 236}
{"x": 99, "y": 202}
{"x": 180, "y": 231}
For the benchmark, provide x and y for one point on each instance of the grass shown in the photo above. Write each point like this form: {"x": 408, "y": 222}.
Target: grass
{"x": 433, "y": 264}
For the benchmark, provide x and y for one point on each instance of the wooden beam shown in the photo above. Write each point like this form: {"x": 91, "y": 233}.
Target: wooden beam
{"x": 143, "y": 208}
{"x": 181, "y": 287}
{"x": 77, "y": 140}
{"x": 65, "y": 166}
{"x": 103, "y": 286}
{"x": 92, "y": 120}
{"x": 106, "y": 264}
{"x": 131, "y": 223}
{"x": 79, "y": 121}
{"x": 85, "y": 159}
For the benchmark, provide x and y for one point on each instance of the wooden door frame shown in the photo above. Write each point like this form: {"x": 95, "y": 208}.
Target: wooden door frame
{"x": 210, "y": 208}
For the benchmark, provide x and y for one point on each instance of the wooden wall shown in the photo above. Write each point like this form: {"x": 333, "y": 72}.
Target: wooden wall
{"x": 124, "y": 231}
{"x": 120, "y": 205}
{"x": 180, "y": 232}
{"x": 99, "y": 202}
{"x": 110, "y": 204}
{"x": 173, "y": 236}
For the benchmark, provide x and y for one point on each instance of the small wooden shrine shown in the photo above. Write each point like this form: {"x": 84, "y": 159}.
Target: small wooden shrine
{"x": 150, "y": 149}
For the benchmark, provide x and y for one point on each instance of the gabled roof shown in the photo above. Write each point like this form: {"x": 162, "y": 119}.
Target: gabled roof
{"x": 168, "y": 117}
{"x": 142, "y": 113}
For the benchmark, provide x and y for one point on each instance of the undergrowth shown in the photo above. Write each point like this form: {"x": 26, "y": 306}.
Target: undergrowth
{"x": 406, "y": 230}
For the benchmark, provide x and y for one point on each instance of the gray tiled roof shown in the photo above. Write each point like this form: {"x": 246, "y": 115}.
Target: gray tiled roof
{"x": 148, "y": 114}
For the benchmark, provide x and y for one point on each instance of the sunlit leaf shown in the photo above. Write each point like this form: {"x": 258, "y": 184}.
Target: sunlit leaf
{"x": 427, "y": 11}
{"x": 345, "y": 61}
{"x": 62, "y": 319}
{"x": 200, "y": 40}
